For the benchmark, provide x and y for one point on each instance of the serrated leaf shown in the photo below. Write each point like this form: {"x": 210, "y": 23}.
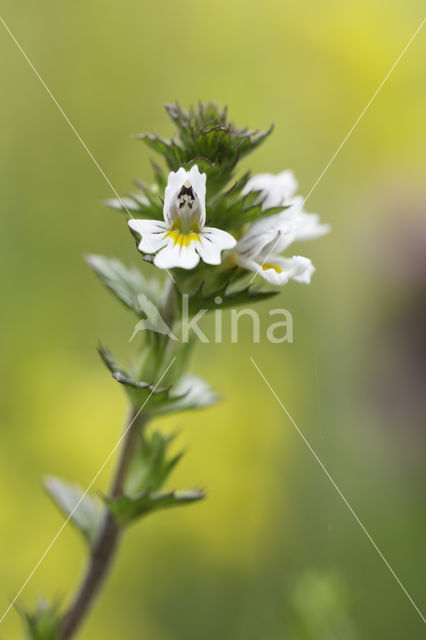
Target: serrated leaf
{"x": 139, "y": 391}
{"x": 190, "y": 392}
{"x": 126, "y": 284}
{"x": 153, "y": 319}
{"x": 85, "y": 511}
{"x": 127, "y": 509}
{"x": 158, "y": 394}
{"x": 111, "y": 363}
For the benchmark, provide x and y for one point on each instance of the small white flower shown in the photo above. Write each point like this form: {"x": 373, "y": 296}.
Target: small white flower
{"x": 276, "y": 190}
{"x": 182, "y": 239}
{"x": 260, "y": 247}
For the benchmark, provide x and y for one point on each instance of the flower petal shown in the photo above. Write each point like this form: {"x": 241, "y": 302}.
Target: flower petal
{"x": 175, "y": 182}
{"x": 297, "y": 268}
{"x": 308, "y": 226}
{"x": 153, "y": 234}
{"x": 269, "y": 272}
{"x": 276, "y": 189}
{"x": 271, "y": 234}
{"x": 198, "y": 183}
{"x": 212, "y": 243}
{"x": 278, "y": 270}
{"x": 177, "y": 255}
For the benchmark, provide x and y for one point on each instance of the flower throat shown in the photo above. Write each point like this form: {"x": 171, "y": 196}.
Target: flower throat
{"x": 187, "y": 210}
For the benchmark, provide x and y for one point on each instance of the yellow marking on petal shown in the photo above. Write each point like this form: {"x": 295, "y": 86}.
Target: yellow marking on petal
{"x": 275, "y": 267}
{"x": 183, "y": 239}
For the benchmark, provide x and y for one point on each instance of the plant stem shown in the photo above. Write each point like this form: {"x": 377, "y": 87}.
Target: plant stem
{"x": 107, "y": 543}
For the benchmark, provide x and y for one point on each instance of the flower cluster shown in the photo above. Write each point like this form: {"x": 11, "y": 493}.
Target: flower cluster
{"x": 182, "y": 238}
{"x": 261, "y": 246}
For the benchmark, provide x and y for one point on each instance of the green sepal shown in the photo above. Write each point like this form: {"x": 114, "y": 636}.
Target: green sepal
{"x": 86, "y": 512}
{"x": 128, "y": 285}
{"x": 129, "y": 509}
{"x": 44, "y": 623}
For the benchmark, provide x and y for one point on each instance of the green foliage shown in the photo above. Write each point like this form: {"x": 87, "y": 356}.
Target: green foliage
{"x": 43, "y": 624}
{"x": 139, "y": 391}
{"x": 152, "y": 464}
{"x": 222, "y": 298}
{"x": 206, "y": 138}
{"x": 128, "y": 285}
{"x": 188, "y": 392}
{"x": 86, "y": 512}
{"x": 233, "y": 209}
{"x": 127, "y": 510}
{"x": 150, "y": 469}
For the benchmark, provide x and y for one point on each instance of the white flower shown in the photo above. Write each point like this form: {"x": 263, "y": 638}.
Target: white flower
{"x": 276, "y": 190}
{"x": 260, "y": 247}
{"x": 182, "y": 239}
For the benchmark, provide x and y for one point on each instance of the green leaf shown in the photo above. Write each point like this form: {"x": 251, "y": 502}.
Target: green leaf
{"x": 153, "y": 319}
{"x": 190, "y": 392}
{"x": 111, "y": 363}
{"x": 44, "y": 623}
{"x": 126, "y": 284}
{"x": 169, "y": 149}
{"x": 138, "y": 391}
{"x": 85, "y": 511}
{"x": 152, "y": 465}
{"x": 127, "y": 509}
{"x": 234, "y": 210}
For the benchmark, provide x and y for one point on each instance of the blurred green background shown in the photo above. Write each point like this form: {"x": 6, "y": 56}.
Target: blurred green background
{"x": 273, "y": 552}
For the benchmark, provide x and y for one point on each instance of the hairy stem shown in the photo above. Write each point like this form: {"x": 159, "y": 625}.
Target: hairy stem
{"x": 107, "y": 543}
